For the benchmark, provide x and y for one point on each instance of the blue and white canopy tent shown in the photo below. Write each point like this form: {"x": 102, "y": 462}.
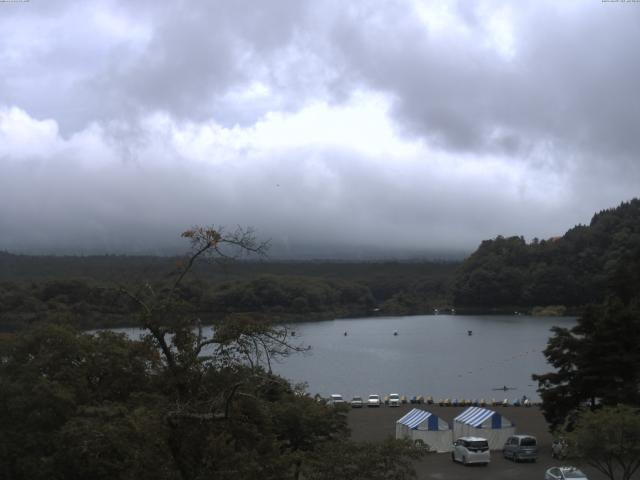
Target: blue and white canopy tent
{"x": 427, "y": 427}
{"x": 482, "y": 422}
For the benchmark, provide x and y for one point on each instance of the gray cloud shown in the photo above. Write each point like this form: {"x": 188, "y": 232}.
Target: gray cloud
{"x": 324, "y": 198}
{"x": 537, "y": 129}
{"x": 570, "y": 81}
{"x": 198, "y": 52}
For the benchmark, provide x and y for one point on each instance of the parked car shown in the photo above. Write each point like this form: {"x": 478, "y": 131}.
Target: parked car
{"x": 562, "y": 473}
{"x": 394, "y": 400}
{"x": 356, "y": 402}
{"x": 374, "y": 401}
{"x": 336, "y": 399}
{"x": 521, "y": 447}
{"x": 471, "y": 450}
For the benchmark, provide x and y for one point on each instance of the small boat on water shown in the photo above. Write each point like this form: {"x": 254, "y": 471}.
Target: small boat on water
{"x": 469, "y": 332}
{"x": 395, "y": 333}
{"x": 504, "y": 388}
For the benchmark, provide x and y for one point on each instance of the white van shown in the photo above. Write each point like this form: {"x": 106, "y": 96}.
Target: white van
{"x": 394, "y": 400}
{"x": 471, "y": 450}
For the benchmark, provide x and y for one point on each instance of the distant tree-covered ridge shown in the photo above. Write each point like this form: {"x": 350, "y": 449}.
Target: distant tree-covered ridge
{"x": 87, "y": 291}
{"x": 573, "y": 270}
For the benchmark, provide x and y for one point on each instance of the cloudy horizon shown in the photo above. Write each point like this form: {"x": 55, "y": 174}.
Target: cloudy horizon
{"x": 401, "y": 128}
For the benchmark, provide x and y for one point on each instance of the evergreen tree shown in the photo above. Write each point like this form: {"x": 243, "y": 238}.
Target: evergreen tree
{"x": 596, "y": 362}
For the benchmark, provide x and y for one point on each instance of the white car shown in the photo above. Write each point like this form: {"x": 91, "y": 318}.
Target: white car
{"x": 394, "y": 400}
{"x": 374, "y": 401}
{"x": 469, "y": 450}
{"x": 356, "y": 402}
{"x": 336, "y": 399}
{"x": 562, "y": 473}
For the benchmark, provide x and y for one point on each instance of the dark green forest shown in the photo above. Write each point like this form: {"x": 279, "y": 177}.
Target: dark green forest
{"x": 502, "y": 275}
{"x": 87, "y": 291}
{"x": 596, "y": 363}
{"x": 176, "y": 404}
{"x": 574, "y": 270}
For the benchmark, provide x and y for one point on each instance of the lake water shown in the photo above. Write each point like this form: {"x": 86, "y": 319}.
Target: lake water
{"x": 431, "y": 355}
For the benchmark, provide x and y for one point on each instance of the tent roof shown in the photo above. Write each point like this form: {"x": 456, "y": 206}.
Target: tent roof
{"x": 414, "y": 418}
{"x": 474, "y": 416}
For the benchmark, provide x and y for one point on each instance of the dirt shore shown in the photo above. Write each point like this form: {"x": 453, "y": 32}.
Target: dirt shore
{"x": 375, "y": 424}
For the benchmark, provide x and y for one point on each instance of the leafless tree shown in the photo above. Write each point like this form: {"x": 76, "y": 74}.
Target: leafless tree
{"x": 180, "y": 337}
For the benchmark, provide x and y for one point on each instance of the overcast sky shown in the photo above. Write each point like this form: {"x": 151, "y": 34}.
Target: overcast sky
{"x": 329, "y": 126}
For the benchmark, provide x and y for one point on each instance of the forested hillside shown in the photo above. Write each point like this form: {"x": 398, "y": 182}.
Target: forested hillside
{"x": 87, "y": 291}
{"x": 576, "y": 269}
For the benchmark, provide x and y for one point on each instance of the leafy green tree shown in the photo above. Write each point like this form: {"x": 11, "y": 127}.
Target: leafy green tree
{"x": 220, "y": 388}
{"x": 389, "y": 460}
{"x": 178, "y": 404}
{"x": 52, "y": 377}
{"x": 596, "y": 362}
{"x": 608, "y": 439}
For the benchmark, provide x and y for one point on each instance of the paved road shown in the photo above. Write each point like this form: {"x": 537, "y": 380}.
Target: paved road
{"x": 375, "y": 424}
{"x": 439, "y": 466}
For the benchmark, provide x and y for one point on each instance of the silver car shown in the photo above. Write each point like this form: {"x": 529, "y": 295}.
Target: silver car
{"x": 521, "y": 447}
{"x": 562, "y": 473}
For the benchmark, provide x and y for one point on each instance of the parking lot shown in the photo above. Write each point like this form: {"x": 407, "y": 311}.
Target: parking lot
{"x": 372, "y": 424}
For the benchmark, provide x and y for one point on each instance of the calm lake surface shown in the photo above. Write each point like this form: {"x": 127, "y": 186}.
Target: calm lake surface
{"x": 431, "y": 355}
